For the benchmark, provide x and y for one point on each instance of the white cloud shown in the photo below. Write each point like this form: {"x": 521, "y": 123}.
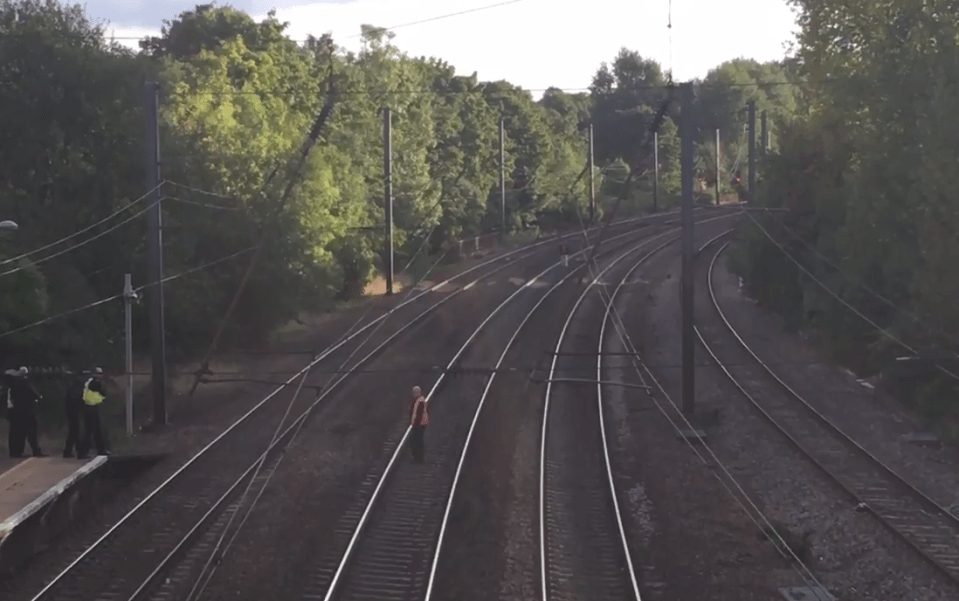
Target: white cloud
{"x": 538, "y": 44}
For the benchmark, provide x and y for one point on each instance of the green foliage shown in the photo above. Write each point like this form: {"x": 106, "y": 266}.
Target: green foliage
{"x": 237, "y": 99}
{"x": 867, "y": 173}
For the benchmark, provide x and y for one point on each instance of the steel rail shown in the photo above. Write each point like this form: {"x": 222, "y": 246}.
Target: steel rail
{"x": 489, "y": 384}
{"x": 360, "y": 528}
{"x": 282, "y": 438}
{"x": 163, "y": 486}
{"x": 918, "y": 528}
{"x": 544, "y": 578}
{"x": 544, "y": 585}
{"x": 742, "y": 498}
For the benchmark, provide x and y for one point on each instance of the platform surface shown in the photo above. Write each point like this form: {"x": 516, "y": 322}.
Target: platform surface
{"x": 28, "y": 484}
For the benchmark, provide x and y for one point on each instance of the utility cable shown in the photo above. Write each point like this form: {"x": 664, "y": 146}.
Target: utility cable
{"x": 626, "y": 341}
{"x": 267, "y": 229}
{"x": 205, "y": 205}
{"x": 85, "y": 242}
{"x": 216, "y": 558}
{"x": 432, "y": 92}
{"x": 879, "y": 328}
{"x": 200, "y": 191}
{"x": 438, "y": 18}
{"x": 84, "y": 230}
{"x": 861, "y": 284}
{"x": 120, "y": 296}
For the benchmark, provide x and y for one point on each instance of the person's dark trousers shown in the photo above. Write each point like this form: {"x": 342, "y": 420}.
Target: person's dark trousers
{"x": 15, "y": 437}
{"x": 92, "y": 432}
{"x": 416, "y": 443}
{"x": 30, "y": 427}
{"x": 73, "y": 431}
{"x": 23, "y": 429}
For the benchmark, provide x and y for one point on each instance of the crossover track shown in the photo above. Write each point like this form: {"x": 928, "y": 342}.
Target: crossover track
{"x": 584, "y": 548}
{"x": 396, "y": 532}
{"x": 921, "y": 522}
{"x": 584, "y": 553}
{"x": 130, "y": 557}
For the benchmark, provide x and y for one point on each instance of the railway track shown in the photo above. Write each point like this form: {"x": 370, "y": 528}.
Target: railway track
{"x": 926, "y": 526}
{"x": 126, "y": 561}
{"x": 584, "y": 552}
{"x": 584, "y": 547}
{"x": 393, "y": 538}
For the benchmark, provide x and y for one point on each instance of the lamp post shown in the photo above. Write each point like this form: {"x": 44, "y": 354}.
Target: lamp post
{"x": 8, "y": 226}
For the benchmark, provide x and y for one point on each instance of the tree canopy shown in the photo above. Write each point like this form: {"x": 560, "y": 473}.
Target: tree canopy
{"x": 237, "y": 98}
{"x": 867, "y": 172}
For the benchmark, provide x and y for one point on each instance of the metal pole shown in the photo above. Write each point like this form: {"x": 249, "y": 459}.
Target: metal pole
{"x": 752, "y": 150}
{"x": 502, "y": 176}
{"x": 592, "y": 186}
{"x": 388, "y": 194}
{"x": 155, "y": 250}
{"x": 717, "y": 166}
{"x": 764, "y": 132}
{"x": 689, "y": 343}
{"x": 655, "y": 171}
{"x": 128, "y": 297}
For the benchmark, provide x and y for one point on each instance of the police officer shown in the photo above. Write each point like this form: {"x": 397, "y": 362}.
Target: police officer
{"x": 93, "y": 395}
{"x": 22, "y": 405}
{"x": 419, "y": 419}
{"x": 73, "y": 408}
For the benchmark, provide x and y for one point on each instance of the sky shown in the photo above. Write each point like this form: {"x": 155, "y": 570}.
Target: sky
{"x": 532, "y": 43}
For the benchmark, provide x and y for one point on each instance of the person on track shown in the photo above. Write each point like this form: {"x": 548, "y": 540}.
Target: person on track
{"x": 564, "y": 253}
{"x": 419, "y": 419}
{"x": 93, "y": 396}
{"x": 22, "y": 404}
{"x": 73, "y": 408}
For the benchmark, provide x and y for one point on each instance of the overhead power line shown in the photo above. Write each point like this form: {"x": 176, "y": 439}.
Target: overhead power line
{"x": 77, "y": 233}
{"x": 359, "y": 35}
{"x": 859, "y": 283}
{"x": 108, "y": 299}
{"x": 843, "y": 301}
{"x": 85, "y": 242}
{"x": 285, "y": 92}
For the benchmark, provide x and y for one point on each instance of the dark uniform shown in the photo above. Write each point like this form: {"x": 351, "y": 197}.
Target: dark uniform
{"x": 419, "y": 419}
{"x": 73, "y": 408}
{"x": 93, "y": 396}
{"x": 564, "y": 254}
{"x": 22, "y": 403}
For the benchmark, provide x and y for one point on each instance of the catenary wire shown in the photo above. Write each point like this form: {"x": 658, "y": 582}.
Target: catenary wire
{"x": 626, "y": 341}
{"x": 201, "y": 191}
{"x": 839, "y": 298}
{"x": 359, "y": 35}
{"x": 859, "y": 283}
{"x": 205, "y": 205}
{"x": 84, "y": 230}
{"x": 480, "y": 89}
{"x": 215, "y": 560}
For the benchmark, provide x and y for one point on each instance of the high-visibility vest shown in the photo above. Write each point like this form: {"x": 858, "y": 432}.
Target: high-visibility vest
{"x": 425, "y": 419}
{"x": 91, "y": 397}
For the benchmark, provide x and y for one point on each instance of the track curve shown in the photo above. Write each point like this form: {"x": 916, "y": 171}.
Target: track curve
{"x": 930, "y": 529}
{"x": 134, "y": 552}
{"x": 386, "y": 562}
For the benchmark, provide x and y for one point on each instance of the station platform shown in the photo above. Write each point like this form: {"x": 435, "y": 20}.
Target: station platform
{"x": 39, "y": 497}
